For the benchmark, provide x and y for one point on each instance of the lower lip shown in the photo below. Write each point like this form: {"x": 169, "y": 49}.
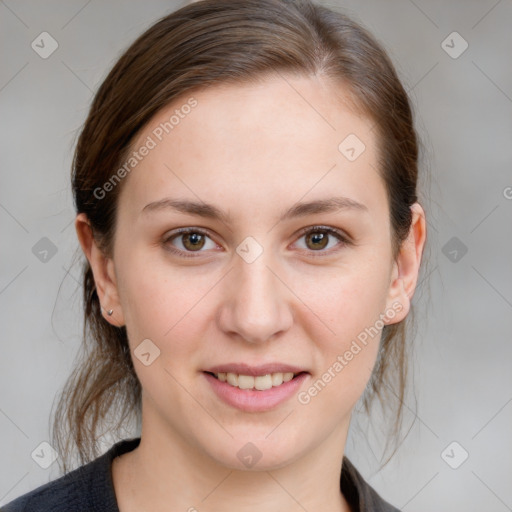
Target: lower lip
{"x": 251, "y": 400}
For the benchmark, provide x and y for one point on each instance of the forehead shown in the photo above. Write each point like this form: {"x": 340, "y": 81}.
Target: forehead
{"x": 258, "y": 143}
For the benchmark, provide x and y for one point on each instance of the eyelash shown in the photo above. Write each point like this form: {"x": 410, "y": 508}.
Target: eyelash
{"x": 344, "y": 240}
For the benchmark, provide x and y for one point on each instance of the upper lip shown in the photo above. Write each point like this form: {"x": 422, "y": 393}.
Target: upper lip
{"x": 264, "y": 369}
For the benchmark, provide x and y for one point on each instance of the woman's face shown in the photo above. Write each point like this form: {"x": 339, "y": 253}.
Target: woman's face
{"x": 248, "y": 286}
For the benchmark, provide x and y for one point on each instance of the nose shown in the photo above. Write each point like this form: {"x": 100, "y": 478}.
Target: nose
{"x": 256, "y": 304}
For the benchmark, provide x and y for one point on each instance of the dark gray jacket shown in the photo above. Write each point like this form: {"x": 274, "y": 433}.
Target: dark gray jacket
{"x": 90, "y": 489}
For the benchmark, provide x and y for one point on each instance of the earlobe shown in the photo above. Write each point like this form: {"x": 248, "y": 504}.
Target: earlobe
{"x": 398, "y": 302}
{"x": 407, "y": 266}
{"x": 103, "y": 271}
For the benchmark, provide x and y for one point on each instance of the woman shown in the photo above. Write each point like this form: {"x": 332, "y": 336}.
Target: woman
{"x": 245, "y": 186}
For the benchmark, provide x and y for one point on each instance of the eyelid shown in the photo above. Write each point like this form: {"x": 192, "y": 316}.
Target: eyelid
{"x": 343, "y": 238}
{"x": 183, "y": 231}
{"x": 329, "y": 229}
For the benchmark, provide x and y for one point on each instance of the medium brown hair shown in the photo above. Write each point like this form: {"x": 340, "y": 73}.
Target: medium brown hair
{"x": 202, "y": 44}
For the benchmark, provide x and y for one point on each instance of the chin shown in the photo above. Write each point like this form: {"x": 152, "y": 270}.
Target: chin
{"x": 255, "y": 453}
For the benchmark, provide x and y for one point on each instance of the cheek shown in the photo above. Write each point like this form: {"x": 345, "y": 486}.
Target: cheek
{"x": 162, "y": 305}
{"x": 346, "y": 330}
{"x": 345, "y": 301}
{"x": 158, "y": 303}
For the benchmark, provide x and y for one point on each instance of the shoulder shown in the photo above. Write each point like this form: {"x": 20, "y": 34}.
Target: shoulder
{"x": 87, "y": 488}
{"x": 66, "y": 493}
{"x": 359, "y": 493}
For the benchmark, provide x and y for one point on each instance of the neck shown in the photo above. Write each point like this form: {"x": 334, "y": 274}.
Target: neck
{"x": 166, "y": 473}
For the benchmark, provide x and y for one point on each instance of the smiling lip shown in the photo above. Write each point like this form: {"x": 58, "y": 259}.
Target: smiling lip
{"x": 252, "y": 400}
{"x": 264, "y": 369}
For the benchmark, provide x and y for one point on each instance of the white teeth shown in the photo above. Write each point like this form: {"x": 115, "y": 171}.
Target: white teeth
{"x": 245, "y": 381}
{"x": 277, "y": 379}
{"x": 232, "y": 378}
{"x": 261, "y": 382}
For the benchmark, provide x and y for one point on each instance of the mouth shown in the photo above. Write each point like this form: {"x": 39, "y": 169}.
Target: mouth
{"x": 255, "y": 382}
{"x": 255, "y": 389}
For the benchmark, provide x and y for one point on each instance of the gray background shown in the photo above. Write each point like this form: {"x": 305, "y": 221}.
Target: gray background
{"x": 462, "y": 354}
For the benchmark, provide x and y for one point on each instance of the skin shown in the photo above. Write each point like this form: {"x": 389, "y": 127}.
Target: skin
{"x": 254, "y": 151}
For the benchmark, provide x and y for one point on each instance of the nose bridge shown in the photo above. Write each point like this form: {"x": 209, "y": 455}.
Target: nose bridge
{"x": 257, "y": 308}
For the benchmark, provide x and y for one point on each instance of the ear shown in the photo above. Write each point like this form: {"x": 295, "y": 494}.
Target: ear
{"x": 103, "y": 271}
{"x": 404, "y": 275}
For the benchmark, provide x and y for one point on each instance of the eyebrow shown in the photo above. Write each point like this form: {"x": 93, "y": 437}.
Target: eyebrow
{"x": 210, "y": 211}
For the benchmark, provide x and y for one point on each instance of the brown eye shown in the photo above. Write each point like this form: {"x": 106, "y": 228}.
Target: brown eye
{"x": 187, "y": 241}
{"x": 317, "y": 240}
{"x": 193, "y": 241}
